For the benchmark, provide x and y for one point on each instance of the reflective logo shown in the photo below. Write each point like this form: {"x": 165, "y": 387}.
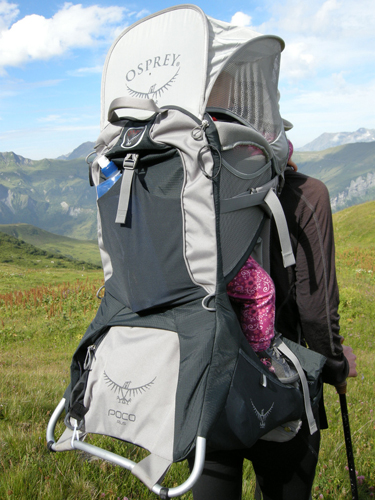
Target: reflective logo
{"x": 125, "y": 392}
{"x": 261, "y": 415}
{"x": 133, "y": 137}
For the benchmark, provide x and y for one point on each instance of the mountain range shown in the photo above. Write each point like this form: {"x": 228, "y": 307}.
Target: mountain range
{"x": 55, "y": 195}
{"x": 327, "y": 140}
{"x": 324, "y": 141}
{"x": 51, "y": 194}
{"x": 81, "y": 152}
{"x": 348, "y": 172}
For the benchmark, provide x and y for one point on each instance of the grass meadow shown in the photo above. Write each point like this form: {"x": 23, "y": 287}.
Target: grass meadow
{"x": 44, "y": 313}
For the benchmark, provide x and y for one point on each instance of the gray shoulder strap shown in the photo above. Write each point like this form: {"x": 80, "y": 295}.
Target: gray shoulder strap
{"x": 274, "y": 204}
{"x": 270, "y": 200}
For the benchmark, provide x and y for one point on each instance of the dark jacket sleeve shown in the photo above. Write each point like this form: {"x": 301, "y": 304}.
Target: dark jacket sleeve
{"x": 312, "y": 294}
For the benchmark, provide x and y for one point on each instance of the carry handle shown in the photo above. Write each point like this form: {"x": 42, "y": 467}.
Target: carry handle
{"x": 133, "y": 103}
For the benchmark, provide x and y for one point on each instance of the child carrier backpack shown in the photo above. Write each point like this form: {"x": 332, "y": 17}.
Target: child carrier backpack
{"x": 188, "y": 166}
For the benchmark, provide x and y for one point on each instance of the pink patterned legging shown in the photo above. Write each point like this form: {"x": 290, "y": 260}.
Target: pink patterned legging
{"x": 253, "y": 289}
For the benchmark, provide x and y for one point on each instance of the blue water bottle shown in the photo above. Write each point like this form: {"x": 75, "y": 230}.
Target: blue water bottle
{"x": 111, "y": 172}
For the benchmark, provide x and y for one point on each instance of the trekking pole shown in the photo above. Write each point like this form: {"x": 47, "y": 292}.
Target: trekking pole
{"x": 341, "y": 391}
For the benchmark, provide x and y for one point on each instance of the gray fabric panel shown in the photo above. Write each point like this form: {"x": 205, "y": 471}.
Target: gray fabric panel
{"x": 253, "y": 175}
{"x": 106, "y": 259}
{"x": 232, "y": 134}
{"x": 199, "y": 218}
{"x": 228, "y": 337}
{"x": 64, "y": 443}
{"x": 151, "y": 469}
{"x": 241, "y": 227}
{"x": 280, "y": 148}
{"x": 111, "y": 312}
{"x": 261, "y": 251}
{"x": 131, "y": 388}
{"x": 196, "y": 328}
{"x": 245, "y": 175}
{"x": 246, "y": 200}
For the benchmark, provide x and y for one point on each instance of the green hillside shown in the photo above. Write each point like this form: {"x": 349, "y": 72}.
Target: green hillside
{"x": 86, "y": 250}
{"x": 355, "y": 240}
{"x": 55, "y": 194}
{"x": 52, "y": 194}
{"x": 24, "y": 266}
{"x": 19, "y": 253}
{"x": 355, "y": 226}
{"x": 347, "y": 170}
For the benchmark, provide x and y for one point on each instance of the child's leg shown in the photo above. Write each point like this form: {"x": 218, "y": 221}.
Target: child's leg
{"x": 254, "y": 291}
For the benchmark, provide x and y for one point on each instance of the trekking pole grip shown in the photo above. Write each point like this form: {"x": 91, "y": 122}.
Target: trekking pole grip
{"x": 341, "y": 389}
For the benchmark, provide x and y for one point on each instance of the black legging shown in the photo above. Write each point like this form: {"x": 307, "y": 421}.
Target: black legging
{"x": 285, "y": 471}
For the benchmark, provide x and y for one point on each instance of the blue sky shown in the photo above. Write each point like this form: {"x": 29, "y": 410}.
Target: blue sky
{"x": 52, "y": 54}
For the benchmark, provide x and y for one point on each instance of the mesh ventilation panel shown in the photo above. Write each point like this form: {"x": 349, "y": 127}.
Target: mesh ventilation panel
{"x": 247, "y": 86}
{"x": 147, "y": 251}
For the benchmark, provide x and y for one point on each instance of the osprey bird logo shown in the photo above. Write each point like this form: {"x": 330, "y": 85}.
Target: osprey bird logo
{"x": 261, "y": 415}
{"x": 125, "y": 391}
{"x": 154, "y": 92}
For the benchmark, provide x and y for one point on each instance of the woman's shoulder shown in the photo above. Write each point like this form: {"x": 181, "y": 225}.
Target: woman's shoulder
{"x": 303, "y": 185}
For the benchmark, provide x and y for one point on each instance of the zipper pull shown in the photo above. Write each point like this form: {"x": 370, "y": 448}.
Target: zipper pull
{"x": 198, "y": 131}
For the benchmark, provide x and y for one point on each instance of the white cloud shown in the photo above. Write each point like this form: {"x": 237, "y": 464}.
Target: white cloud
{"x": 68, "y": 121}
{"x": 87, "y": 71}
{"x": 323, "y": 36}
{"x": 13, "y": 87}
{"x": 298, "y": 61}
{"x": 328, "y": 18}
{"x": 8, "y": 13}
{"x": 142, "y": 13}
{"x": 49, "y": 119}
{"x": 241, "y": 19}
{"x": 334, "y": 106}
{"x": 36, "y": 38}
{"x": 75, "y": 128}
